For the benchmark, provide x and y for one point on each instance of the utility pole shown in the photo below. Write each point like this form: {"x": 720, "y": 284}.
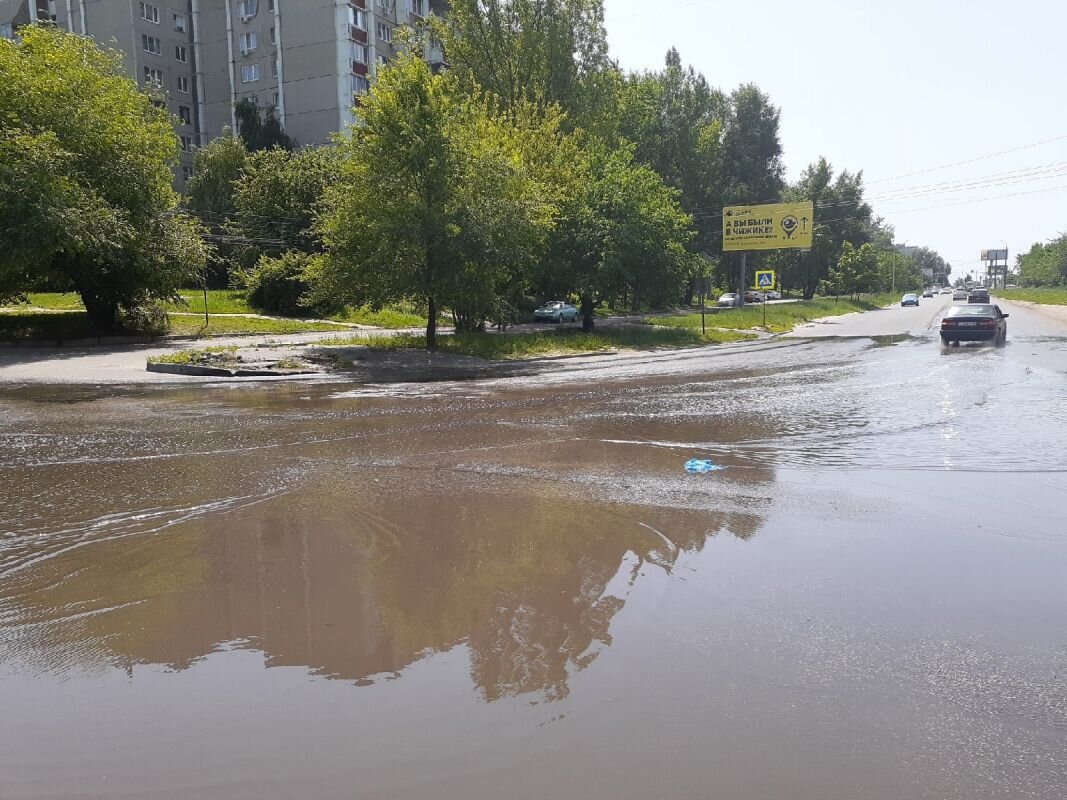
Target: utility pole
{"x": 744, "y": 283}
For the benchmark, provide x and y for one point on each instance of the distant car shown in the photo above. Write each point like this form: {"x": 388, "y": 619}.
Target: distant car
{"x": 928, "y": 292}
{"x": 978, "y": 296}
{"x": 974, "y": 322}
{"x": 959, "y": 294}
{"x": 556, "y": 311}
{"x": 946, "y": 290}
{"x": 728, "y": 300}
{"x": 771, "y": 294}
{"x": 910, "y": 299}
{"x": 753, "y": 297}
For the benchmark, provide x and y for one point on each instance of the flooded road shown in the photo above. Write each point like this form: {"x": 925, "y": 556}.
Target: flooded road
{"x": 512, "y": 587}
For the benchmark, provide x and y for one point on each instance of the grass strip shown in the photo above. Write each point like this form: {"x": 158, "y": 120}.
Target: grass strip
{"x": 1048, "y": 297}
{"x": 498, "y": 347}
{"x": 780, "y": 317}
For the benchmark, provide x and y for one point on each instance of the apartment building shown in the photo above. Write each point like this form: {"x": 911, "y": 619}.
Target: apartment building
{"x": 309, "y": 60}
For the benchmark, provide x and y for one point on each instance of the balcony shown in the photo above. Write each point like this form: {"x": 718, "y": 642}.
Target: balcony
{"x": 357, "y": 34}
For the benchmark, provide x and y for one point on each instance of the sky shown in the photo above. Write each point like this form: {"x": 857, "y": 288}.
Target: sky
{"x": 893, "y": 88}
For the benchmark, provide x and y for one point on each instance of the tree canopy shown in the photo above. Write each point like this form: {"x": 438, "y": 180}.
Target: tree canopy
{"x": 85, "y": 178}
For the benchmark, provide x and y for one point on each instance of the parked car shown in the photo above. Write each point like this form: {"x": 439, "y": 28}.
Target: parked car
{"x": 771, "y": 294}
{"x": 728, "y": 300}
{"x": 753, "y": 296}
{"x": 556, "y": 311}
{"x": 978, "y": 296}
{"x": 974, "y": 322}
{"x": 959, "y": 294}
{"x": 910, "y": 299}
{"x": 928, "y": 292}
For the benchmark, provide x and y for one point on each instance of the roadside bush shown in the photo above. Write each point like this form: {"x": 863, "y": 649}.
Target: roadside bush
{"x": 147, "y": 318}
{"x": 281, "y": 285}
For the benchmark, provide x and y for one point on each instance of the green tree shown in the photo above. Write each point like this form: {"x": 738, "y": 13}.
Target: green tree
{"x": 546, "y": 52}
{"x": 435, "y": 202}
{"x": 85, "y": 178}
{"x": 841, "y": 215}
{"x": 856, "y": 270}
{"x": 675, "y": 120}
{"x": 622, "y": 233}
{"x": 260, "y": 130}
{"x": 216, "y": 169}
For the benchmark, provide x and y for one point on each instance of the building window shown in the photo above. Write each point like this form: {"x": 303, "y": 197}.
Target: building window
{"x": 270, "y": 5}
{"x": 181, "y": 53}
{"x": 275, "y": 99}
{"x": 150, "y": 13}
{"x": 153, "y": 78}
{"x": 249, "y": 42}
{"x": 187, "y": 172}
{"x": 357, "y": 18}
{"x": 416, "y": 7}
{"x": 185, "y": 114}
{"x": 6, "y": 31}
{"x": 183, "y": 84}
{"x": 382, "y": 60}
{"x": 273, "y": 36}
{"x": 249, "y": 73}
{"x": 384, "y": 4}
{"x": 179, "y": 23}
{"x": 152, "y": 44}
{"x": 274, "y": 68}
{"x": 385, "y": 33}
{"x": 246, "y": 9}
{"x": 187, "y": 143}
{"x": 359, "y": 53}
{"x": 360, "y": 84}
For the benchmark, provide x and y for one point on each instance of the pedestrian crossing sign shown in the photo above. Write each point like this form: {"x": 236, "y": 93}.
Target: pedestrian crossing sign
{"x": 765, "y": 279}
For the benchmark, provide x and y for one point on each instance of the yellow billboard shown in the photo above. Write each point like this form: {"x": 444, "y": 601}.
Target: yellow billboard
{"x": 771, "y": 226}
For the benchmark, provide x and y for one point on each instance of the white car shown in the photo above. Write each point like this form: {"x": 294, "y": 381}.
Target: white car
{"x": 771, "y": 294}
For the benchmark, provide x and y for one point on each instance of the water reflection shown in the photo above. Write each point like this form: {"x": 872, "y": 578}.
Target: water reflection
{"x": 357, "y": 578}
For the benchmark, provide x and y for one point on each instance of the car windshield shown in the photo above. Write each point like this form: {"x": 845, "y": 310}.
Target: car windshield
{"x": 908, "y": 297}
{"x": 972, "y": 310}
{"x": 552, "y": 306}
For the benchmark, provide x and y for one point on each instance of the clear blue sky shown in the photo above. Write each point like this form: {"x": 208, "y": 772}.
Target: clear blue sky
{"x": 894, "y": 87}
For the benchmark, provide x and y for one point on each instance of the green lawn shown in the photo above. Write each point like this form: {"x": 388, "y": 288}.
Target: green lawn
{"x": 541, "y": 343}
{"x": 780, "y": 317}
{"x": 194, "y": 326}
{"x": 45, "y": 326}
{"x": 1052, "y": 297}
{"x": 232, "y": 301}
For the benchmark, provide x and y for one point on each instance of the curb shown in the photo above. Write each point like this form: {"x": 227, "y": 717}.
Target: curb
{"x": 223, "y": 372}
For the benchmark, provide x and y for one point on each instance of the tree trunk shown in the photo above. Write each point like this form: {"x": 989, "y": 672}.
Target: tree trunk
{"x": 637, "y": 300}
{"x": 587, "y": 314}
{"x": 102, "y": 311}
{"x": 431, "y": 324}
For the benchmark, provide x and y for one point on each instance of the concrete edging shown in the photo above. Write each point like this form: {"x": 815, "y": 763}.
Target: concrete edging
{"x": 198, "y": 370}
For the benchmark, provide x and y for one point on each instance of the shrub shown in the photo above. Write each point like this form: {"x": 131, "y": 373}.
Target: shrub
{"x": 281, "y": 285}
{"x": 147, "y": 318}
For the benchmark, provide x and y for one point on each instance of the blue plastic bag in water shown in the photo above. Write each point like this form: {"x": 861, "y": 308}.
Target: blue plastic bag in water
{"x": 697, "y": 465}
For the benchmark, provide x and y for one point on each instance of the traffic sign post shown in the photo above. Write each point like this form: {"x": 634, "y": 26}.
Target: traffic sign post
{"x": 764, "y": 282}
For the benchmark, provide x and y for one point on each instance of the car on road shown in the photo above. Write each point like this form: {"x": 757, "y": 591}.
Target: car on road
{"x": 974, "y": 322}
{"x": 556, "y": 311}
{"x": 959, "y": 294}
{"x": 978, "y": 296}
{"x": 771, "y": 294}
{"x": 928, "y": 292}
{"x": 754, "y": 297}
{"x": 910, "y": 299}
{"x": 728, "y": 300}
{"x": 946, "y": 290}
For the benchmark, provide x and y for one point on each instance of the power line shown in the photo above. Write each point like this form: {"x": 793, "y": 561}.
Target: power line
{"x": 970, "y": 160}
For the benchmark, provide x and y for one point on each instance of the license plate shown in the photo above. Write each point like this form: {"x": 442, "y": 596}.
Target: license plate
{"x": 968, "y": 324}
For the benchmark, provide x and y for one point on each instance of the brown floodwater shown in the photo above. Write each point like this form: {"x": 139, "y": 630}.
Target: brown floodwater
{"x": 512, "y": 588}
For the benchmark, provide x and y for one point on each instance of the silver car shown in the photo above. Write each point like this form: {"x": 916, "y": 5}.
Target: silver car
{"x": 556, "y": 311}
{"x": 728, "y": 300}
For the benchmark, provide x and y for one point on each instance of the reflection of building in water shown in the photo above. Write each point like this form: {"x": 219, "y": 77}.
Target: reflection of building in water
{"x": 366, "y": 587}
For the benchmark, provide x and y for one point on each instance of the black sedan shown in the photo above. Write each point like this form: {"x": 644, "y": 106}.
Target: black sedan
{"x": 974, "y": 322}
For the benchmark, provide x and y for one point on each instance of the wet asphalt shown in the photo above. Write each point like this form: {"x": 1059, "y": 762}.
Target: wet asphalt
{"x": 508, "y": 585}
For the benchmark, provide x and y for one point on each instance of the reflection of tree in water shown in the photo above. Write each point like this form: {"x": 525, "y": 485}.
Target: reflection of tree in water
{"x": 366, "y": 586}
